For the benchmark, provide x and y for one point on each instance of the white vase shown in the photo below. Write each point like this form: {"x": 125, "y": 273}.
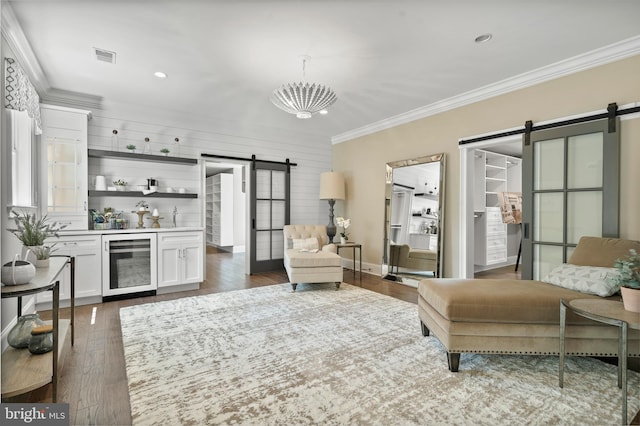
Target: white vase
{"x": 42, "y": 263}
{"x": 343, "y": 240}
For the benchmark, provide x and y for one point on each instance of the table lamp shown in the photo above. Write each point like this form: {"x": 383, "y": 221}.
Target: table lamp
{"x": 331, "y": 189}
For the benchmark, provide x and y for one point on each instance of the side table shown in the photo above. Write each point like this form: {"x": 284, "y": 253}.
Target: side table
{"x": 353, "y": 246}
{"x": 607, "y": 312}
{"x": 21, "y": 371}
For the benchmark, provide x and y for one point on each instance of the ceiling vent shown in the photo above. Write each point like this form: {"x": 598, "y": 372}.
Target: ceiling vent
{"x": 104, "y": 55}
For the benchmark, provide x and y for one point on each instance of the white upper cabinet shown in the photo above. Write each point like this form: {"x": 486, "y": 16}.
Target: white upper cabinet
{"x": 64, "y": 165}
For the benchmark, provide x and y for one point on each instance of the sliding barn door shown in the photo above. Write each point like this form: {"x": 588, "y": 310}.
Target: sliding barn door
{"x": 270, "y": 207}
{"x": 570, "y": 189}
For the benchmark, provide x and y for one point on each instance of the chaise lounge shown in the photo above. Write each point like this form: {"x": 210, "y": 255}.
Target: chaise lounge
{"x": 308, "y": 256}
{"x": 520, "y": 316}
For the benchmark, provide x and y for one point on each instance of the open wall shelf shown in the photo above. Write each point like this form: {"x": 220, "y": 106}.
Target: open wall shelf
{"x": 99, "y": 153}
{"x": 140, "y": 194}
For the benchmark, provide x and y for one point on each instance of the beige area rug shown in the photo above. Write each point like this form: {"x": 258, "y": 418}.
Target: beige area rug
{"x": 267, "y": 356}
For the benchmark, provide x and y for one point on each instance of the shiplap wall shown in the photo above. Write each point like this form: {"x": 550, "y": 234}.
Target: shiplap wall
{"x": 199, "y": 135}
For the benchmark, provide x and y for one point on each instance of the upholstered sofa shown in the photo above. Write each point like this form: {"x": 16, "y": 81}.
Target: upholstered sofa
{"x": 308, "y": 256}
{"x": 504, "y": 316}
{"x": 403, "y": 256}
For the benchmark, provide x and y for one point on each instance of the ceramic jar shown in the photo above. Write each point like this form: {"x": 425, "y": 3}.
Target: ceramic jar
{"x": 20, "y": 335}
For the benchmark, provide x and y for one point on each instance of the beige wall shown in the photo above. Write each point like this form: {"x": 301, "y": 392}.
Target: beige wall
{"x": 363, "y": 159}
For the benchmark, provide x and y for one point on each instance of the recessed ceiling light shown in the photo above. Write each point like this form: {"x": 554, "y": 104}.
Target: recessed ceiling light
{"x": 160, "y": 74}
{"x": 482, "y": 38}
{"x": 323, "y": 112}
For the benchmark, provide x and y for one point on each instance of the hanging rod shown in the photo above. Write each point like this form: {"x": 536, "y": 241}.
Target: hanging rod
{"x": 592, "y": 117}
{"x": 226, "y": 157}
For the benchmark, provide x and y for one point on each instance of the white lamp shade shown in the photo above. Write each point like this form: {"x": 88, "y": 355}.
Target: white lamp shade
{"x": 331, "y": 186}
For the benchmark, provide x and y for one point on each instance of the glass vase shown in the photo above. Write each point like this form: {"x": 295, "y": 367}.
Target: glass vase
{"x": 147, "y": 146}
{"x": 20, "y": 335}
{"x": 115, "y": 145}
{"x": 41, "y": 340}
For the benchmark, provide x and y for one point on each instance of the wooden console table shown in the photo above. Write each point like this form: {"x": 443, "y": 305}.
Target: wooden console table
{"x": 22, "y": 371}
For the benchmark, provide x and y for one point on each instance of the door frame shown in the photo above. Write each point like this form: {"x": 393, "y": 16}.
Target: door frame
{"x": 466, "y": 254}
{"x": 247, "y": 206}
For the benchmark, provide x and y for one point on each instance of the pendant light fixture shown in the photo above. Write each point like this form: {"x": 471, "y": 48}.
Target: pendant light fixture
{"x": 303, "y": 99}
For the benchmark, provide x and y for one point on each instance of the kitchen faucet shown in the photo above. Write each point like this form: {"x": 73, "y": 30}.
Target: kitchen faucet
{"x": 175, "y": 213}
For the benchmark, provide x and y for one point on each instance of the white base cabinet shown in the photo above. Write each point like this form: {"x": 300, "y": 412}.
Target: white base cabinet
{"x": 86, "y": 250}
{"x": 180, "y": 258}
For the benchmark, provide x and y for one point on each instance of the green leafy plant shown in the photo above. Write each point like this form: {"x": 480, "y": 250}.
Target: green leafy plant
{"x": 131, "y": 146}
{"x": 120, "y": 182}
{"x": 164, "y": 150}
{"x": 628, "y": 271}
{"x": 32, "y": 231}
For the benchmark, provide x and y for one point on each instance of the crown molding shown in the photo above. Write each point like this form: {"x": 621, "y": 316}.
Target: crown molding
{"x": 71, "y": 99}
{"x": 614, "y": 52}
{"x": 17, "y": 41}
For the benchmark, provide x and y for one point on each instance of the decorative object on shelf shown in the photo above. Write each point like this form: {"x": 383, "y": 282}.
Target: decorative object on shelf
{"x": 147, "y": 146}
{"x": 18, "y": 271}
{"x": 32, "y": 231}
{"x": 101, "y": 183}
{"x": 165, "y": 151}
{"x": 41, "y": 340}
{"x": 331, "y": 189}
{"x": 142, "y": 210}
{"x": 303, "y": 99}
{"x": 131, "y": 147}
{"x": 152, "y": 184}
{"x": 20, "y": 335}
{"x": 121, "y": 185}
{"x": 628, "y": 278}
{"x": 115, "y": 145}
{"x": 176, "y": 146}
{"x": 345, "y": 223}
{"x": 155, "y": 217}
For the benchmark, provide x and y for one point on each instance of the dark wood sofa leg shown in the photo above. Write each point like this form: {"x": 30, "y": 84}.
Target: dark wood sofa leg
{"x": 337, "y": 285}
{"x": 293, "y": 286}
{"x": 454, "y": 361}
{"x": 425, "y": 330}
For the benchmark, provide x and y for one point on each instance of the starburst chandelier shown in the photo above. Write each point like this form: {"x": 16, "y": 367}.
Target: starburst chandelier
{"x": 303, "y": 99}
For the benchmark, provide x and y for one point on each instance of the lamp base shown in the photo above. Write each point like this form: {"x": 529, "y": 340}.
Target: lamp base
{"x": 331, "y": 227}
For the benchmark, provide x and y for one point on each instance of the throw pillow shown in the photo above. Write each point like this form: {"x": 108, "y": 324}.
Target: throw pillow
{"x": 586, "y": 279}
{"x": 305, "y": 243}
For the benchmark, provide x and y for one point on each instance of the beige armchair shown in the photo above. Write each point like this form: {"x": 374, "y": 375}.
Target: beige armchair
{"x": 308, "y": 256}
{"x": 403, "y": 256}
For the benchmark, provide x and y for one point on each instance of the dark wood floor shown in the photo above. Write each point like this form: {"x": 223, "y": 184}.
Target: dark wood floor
{"x": 93, "y": 379}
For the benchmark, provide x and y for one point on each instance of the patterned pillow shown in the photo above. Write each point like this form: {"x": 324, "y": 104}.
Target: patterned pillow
{"x": 586, "y": 279}
{"x": 305, "y": 243}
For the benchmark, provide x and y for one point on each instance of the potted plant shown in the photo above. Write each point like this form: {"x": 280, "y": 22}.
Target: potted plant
{"x": 165, "y": 151}
{"x": 345, "y": 223}
{"x": 131, "y": 147}
{"x": 628, "y": 278}
{"x": 32, "y": 232}
{"x": 43, "y": 254}
{"x": 120, "y": 184}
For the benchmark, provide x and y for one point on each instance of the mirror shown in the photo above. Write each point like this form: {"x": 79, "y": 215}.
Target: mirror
{"x": 414, "y": 215}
